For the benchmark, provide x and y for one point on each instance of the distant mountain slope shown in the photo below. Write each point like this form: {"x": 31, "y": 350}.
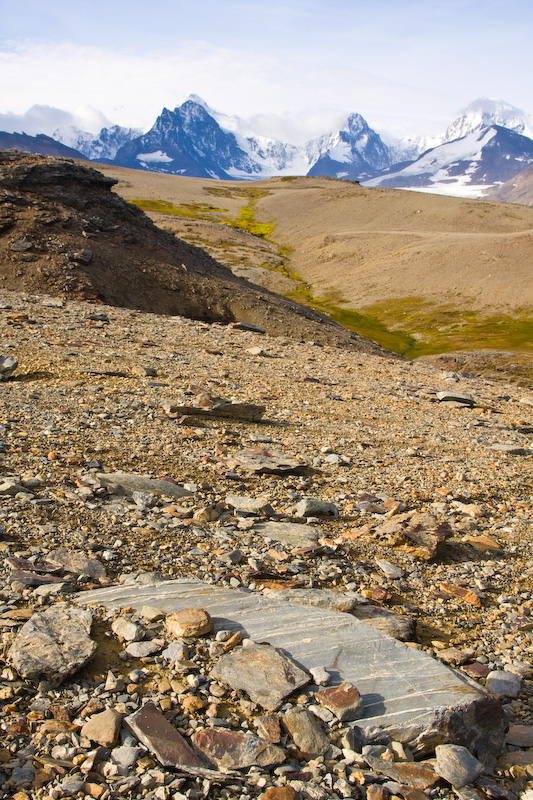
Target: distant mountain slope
{"x": 42, "y": 144}
{"x": 484, "y": 157}
{"x": 104, "y": 145}
{"x": 64, "y": 232}
{"x": 518, "y": 189}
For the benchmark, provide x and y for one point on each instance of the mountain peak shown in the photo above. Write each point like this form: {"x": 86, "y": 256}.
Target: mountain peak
{"x": 484, "y": 112}
{"x": 195, "y": 98}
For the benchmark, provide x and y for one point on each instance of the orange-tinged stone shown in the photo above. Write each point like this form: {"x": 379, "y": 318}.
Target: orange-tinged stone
{"x": 191, "y": 622}
{"x": 461, "y": 593}
{"x": 344, "y": 701}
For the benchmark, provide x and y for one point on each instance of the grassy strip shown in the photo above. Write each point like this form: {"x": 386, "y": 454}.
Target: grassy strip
{"x": 189, "y": 210}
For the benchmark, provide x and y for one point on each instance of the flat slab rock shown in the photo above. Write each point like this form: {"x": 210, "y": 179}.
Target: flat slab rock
{"x": 413, "y": 696}
{"x": 267, "y": 462}
{"x": 53, "y": 644}
{"x": 130, "y": 482}
{"x": 295, "y": 534}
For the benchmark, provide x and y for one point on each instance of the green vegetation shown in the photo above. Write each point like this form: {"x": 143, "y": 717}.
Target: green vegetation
{"x": 246, "y": 219}
{"x": 190, "y": 210}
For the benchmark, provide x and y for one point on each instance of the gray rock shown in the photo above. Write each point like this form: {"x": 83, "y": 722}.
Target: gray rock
{"x": 128, "y": 630}
{"x": 306, "y": 732}
{"x": 251, "y": 505}
{"x": 176, "y": 651}
{"x": 457, "y": 765}
{"x": 320, "y": 676}
{"x": 78, "y": 563}
{"x": 142, "y": 649}
{"x": 127, "y": 483}
{"x": 512, "y": 449}
{"x": 399, "y": 626}
{"x": 392, "y": 571}
{"x": 263, "y": 672}
{"x": 321, "y": 598}
{"x": 311, "y": 507}
{"x": 10, "y": 486}
{"x": 406, "y": 692}
{"x": 161, "y": 738}
{"x": 53, "y": 645}
{"x": 125, "y": 756}
{"x": 8, "y": 365}
{"x": 267, "y": 462}
{"x": 455, "y": 397}
{"x": 291, "y": 533}
{"x": 503, "y": 683}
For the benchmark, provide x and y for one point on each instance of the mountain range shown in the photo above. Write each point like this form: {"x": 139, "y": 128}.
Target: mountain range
{"x": 489, "y": 143}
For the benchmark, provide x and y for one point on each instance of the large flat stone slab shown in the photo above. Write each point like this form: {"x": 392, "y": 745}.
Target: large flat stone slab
{"x": 419, "y": 700}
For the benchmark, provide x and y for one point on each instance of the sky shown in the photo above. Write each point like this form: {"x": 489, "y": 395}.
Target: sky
{"x": 294, "y": 69}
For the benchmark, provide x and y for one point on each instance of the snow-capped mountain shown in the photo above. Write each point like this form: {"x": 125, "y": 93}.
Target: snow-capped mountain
{"x": 485, "y": 157}
{"x": 489, "y": 143}
{"x": 188, "y": 141}
{"x": 104, "y": 146}
{"x": 191, "y": 141}
{"x": 483, "y": 112}
{"x": 355, "y": 152}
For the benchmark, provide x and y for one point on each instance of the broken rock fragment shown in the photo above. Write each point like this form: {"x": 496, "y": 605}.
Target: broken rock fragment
{"x": 237, "y": 750}
{"x": 263, "y": 672}
{"x": 306, "y": 732}
{"x": 268, "y": 462}
{"x": 344, "y": 701}
{"x": 216, "y": 407}
{"x": 161, "y": 738}
{"x": 103, "y": 728}
{"x": 53, "y": 645}
{"x": 399, "y": 626}
{"x": 457, "y": 765}
{"x": 419, "y": 775}
{"x": 8, "y": 365}
{"x": 291, "y": 533}
{"x": 321, "y": 598}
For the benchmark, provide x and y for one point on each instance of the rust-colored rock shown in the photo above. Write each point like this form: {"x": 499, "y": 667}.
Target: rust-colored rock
{"x": 344, "y": 701}
{"x": 237, "y": 750}
{"x": 189, "y": 623}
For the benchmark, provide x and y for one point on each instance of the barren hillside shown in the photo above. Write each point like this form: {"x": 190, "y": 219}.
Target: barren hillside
{"x": 65, "y": 232}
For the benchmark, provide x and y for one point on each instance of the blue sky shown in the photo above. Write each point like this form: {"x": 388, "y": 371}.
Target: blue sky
{"x": 294, "y": 68}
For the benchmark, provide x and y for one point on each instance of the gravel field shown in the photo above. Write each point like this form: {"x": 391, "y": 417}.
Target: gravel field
{"x": 417, "y": 484}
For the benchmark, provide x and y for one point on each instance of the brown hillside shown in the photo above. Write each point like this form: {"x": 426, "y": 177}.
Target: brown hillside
{"x": 364, "y": 246}
{"x": 517, "y": 190}
{"x": 64, "y": 232}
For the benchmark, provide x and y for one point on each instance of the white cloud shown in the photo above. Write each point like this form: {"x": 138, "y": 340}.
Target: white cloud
{"x": 47, "y": 119}
{"x": 293, "y": 97}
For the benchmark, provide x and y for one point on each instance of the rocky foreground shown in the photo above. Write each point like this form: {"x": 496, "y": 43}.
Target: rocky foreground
{"x": 144, "y": 455}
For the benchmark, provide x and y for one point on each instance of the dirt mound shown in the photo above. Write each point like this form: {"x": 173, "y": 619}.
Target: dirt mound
{"x": 64, "y": 232}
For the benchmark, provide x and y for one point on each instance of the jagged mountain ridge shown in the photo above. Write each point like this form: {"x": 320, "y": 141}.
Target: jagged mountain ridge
{"x": 479, "y": 149}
